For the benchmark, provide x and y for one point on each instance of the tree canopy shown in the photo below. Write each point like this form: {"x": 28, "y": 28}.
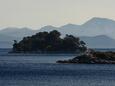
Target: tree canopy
{"x": 49, "y": 42}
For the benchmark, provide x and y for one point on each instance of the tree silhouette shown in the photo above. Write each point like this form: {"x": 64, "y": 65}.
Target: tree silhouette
{"x": 49, "y": 42}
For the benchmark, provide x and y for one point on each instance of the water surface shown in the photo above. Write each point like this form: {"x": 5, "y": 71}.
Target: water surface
{"x": 41, "y": 70}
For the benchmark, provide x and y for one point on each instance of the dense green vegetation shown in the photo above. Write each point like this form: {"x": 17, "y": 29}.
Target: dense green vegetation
{"x": 45, "y": 42}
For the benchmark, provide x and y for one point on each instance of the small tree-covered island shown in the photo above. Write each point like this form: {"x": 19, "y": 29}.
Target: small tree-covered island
{"x": 53, "y": 42}
{"x": 49, "y": 42}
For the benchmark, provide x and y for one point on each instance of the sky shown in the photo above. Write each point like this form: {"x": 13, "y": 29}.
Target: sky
{"x": 39, "y": 13}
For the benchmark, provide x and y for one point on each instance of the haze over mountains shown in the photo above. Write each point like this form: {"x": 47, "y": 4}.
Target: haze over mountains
{"x": 97, "y": 33}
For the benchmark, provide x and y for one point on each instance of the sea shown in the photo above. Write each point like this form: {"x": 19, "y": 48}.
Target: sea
{"x": 42, "y": 70}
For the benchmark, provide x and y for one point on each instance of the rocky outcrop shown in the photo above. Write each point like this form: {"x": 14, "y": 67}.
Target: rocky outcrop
{"x": 93, "y": 58}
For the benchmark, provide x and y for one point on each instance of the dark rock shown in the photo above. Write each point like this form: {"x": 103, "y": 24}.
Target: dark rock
{"x": 93, "y": 58}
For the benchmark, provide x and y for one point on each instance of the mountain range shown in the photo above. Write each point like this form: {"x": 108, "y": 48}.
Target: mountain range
{"x": 97, "y": 33}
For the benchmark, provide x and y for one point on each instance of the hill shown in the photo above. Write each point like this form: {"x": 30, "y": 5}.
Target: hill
{"x": 96, "y": 26}
{"x": 100, "y": 41}
{"x": 49, "y": 42}
{"x": 93, "y": 29}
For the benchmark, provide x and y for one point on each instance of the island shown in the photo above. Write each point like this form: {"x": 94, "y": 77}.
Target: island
{"x": 92, "y": 57}
{"x": 54, "y": 42}
{"x": 49, "y": 42}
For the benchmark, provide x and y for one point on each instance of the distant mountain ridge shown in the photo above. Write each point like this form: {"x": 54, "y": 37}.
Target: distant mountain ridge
{"x": 93, "y": 32}
{"x": 17, "y": 32}
{"x": 96, "y": 26}
{"x": 100, "y": 41}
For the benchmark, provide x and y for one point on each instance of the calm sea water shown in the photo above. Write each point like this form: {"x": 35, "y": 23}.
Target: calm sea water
{"x": 41, "y": 70}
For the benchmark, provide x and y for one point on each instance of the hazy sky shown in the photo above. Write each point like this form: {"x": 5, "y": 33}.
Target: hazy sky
{"x": 37, "y": 13}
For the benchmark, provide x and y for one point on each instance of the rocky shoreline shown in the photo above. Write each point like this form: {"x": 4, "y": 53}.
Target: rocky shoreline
{"x": 92, "y": 58}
